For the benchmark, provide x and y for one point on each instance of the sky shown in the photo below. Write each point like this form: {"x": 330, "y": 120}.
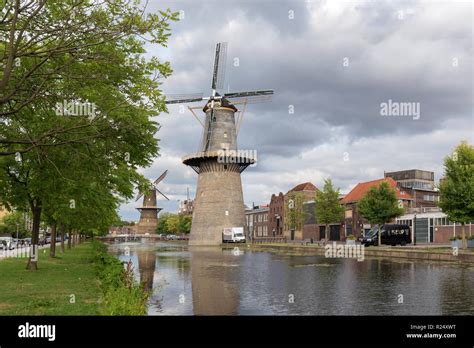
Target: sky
{"x": 334, "y": 65}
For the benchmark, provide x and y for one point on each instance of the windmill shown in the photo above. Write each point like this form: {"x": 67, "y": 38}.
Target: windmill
{"x": 219, "y": 198}
{"x": 149, "y": 209}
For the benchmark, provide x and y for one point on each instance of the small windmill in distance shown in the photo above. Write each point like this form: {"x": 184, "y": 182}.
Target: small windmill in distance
{"x": 149, "y": 210}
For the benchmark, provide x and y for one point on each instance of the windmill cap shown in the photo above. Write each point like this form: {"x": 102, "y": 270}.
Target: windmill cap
{"x": 222, "y": 103}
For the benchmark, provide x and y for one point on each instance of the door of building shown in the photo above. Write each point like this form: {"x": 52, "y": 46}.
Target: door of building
{"x": 322, "y": 232}
{"x": 335, "y": 232}
{"x": 421, "y": 230}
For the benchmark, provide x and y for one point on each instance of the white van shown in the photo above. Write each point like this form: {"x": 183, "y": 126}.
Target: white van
{"x": 233, "y": 235}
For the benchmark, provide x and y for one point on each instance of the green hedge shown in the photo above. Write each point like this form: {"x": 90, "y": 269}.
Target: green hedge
{"x": 122, "y": 294}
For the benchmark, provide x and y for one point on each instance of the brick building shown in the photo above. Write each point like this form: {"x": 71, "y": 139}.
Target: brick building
{"x": 298, "y": 195}
{"x": 256, "y": 222}
{"x": 186, "y": 207}
{"x": 315, "y": 231}
{"x": 431, "y": 225}
{"x": 276, "y": 215}
{"x": 419, "y": 184}
{"x": 353, "y": 222}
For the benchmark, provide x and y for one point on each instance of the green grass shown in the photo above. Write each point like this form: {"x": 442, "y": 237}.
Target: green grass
{"x": 48, "y": 290}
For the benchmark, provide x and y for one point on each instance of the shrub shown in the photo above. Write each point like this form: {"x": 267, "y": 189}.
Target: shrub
{"x": 122, "y": 294}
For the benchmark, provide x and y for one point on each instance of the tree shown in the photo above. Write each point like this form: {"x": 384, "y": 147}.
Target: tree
{"x": 457, "y": 187}
{"x": 162, "y": 227}
{"x": 327, "y": 208}
{"x": 14, "y": 222}
{"x": 42, "y": 42}
{"x": 91, "y": 57}
{"x": 185, "y": 222}
{"x": 169, "y": 223}
{"x": 77, "y": 112}
{"x": 379, "y": 206}
{"x": 172, "y": 224}
{"x": 294, "y": 211}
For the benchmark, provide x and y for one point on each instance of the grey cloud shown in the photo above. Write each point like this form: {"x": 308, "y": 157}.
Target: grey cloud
{"x": 409, "y": 60}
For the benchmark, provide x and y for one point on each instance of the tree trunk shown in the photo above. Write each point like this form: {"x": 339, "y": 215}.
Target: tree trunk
{"x": 73, "y": 242}
{"x": 463, "y": 233}
{"x": 52, "y": 247}
{"x": 32, "y": 264}
{"x": 69, "y": 239}
{"x": 62, "y": 237}
{"x": 380, "y": 236}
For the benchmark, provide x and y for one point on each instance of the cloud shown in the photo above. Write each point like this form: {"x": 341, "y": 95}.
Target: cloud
{"x": 334, "y": 63}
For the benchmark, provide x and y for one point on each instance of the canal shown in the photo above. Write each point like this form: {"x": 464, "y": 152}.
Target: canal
{"x": 226, "y": 281}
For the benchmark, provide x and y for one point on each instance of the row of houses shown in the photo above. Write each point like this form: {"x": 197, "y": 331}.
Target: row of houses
{"x": 415, "y": 190}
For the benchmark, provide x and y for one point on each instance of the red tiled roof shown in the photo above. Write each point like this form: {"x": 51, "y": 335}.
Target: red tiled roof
{"x": 306, "y": 186}
{"x": 362, "y": 188}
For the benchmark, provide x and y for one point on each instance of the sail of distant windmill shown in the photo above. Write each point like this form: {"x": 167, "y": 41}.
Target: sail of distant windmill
{"x": 219, "y": 197}
{"x": 149, "y": 210}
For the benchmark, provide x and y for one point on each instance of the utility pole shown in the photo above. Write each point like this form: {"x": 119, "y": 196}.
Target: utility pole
{"x": 414, "y": 229}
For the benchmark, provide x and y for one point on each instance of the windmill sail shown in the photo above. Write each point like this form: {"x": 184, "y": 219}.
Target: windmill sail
{"x": 219, "y": 66}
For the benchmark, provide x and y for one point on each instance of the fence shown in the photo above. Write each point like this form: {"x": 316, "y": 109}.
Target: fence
{"x": 259, "y": 240}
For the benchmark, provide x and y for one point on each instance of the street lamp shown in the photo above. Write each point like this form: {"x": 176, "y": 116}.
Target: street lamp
{"x": 414, "y": 229}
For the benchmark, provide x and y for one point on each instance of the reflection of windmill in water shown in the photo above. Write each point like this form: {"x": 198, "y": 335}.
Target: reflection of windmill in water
{"x": 149, "y": 209}
{"x": 219, "y": 199}
{"x": 146, "y": 267}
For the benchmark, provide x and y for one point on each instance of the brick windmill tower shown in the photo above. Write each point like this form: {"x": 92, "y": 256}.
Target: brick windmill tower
{"x": 149, "y": 209}
{"x": 219, "y": 198}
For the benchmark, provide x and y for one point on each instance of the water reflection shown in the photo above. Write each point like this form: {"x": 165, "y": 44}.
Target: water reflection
{"x": 216, "y": 281}
{"x": 146, "y": 267}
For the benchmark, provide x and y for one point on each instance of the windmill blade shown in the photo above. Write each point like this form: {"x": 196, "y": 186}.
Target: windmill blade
{"x": 183, "y": 98}
{"x": 219, "y": 66}
{"x": 248, "y": 94}
{"x": 251, "y": 100}
{"x": 139, "y": 196}
{"x": 160, "y": 178}
{"x": 161, "y": 193}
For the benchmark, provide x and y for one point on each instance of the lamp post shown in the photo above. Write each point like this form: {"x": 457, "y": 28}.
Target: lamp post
{"x": 179, "y": 217}
{"x": 414, "y": 229}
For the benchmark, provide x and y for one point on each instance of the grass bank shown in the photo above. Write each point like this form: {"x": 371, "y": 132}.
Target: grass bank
{"x": 83, "y": 281}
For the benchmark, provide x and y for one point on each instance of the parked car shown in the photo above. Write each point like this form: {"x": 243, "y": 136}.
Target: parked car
{"x": 392, "y": 234}
{"x": 6, "y": 243}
